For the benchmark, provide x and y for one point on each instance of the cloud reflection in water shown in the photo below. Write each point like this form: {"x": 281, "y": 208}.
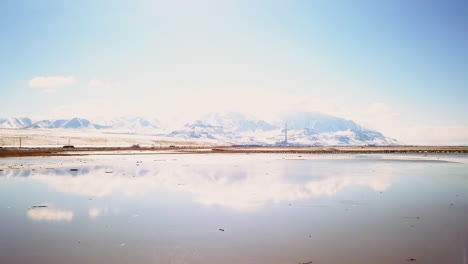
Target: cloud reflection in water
{"x": 228, "y": 183}
{"x": 49, "y": 214}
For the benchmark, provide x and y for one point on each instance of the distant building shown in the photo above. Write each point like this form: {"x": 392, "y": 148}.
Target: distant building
{"x": 285, "y": 133}
{"x": 285, "y": 141}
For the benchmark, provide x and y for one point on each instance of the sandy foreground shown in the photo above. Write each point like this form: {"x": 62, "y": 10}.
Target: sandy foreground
{"x": 37, "y": 142}
{"x": 47, "y": 138}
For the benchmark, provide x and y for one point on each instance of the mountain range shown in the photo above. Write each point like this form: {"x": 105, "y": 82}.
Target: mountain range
{"x": 132, "y": 124}
{"x": 302, "y": 128}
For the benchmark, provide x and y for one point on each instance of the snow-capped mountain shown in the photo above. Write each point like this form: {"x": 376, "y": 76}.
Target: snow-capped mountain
{"x": 236, "y": 122}
{"x": 74, "y": 123}
{"x": 309, "y": 128}
{"x": 134, "y": 124}
{"x": 200, "y": 130}
{"x": 233, "y": 128}
{"x": 15, "y": 122}
{"x": 303, "y": 128}
{"x": 130, "y": 124}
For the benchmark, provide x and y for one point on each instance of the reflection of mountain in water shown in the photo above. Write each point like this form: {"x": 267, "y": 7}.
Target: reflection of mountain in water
{"x": 230, "y": 184}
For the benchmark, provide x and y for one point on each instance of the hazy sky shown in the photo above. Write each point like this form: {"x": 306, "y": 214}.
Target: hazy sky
{"x": 400, "y": 67}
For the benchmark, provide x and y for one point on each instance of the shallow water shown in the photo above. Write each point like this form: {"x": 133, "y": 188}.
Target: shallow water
{"x": 234, "y": 208}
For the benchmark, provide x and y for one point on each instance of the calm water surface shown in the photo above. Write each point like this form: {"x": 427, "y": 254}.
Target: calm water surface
{"x": 234, "y": 208}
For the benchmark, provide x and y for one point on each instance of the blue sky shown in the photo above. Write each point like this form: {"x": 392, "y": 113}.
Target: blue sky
{"x": 390, "y": 65}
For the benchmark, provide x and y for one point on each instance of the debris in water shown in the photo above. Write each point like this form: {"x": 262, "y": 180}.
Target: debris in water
{"x": 109, "y": 171}
{"x": 73, "y": 169}
{"x": 411, "y": 259}
{"x": 310, "y": 262}
{"x": 222, "y": 230}
{"x": 39, "y": 206}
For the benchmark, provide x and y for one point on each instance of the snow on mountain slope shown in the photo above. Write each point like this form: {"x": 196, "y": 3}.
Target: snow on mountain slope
{"x": 233, "y": 128}
{"x": 304, "y": 128}
{"x": 133, "y": 124}
{"x": 127, "y": 125}
{"x": 15, "y": 122}
{"x": 77, "y": 123}
{"x": 40, "y": 124}
{"x": 74, "y": 123}
{"x": 319, "y": 122}
{"x": 309, "y": 128}
{"x": 237, "y": 122}
{"x": 200, "y": 130}
{"x": 340, "y": 138}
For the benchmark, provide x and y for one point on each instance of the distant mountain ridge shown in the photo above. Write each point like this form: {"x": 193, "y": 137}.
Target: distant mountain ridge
{"x": 15, "y": 122}
{"x": 133, "y": 124}
{"x": 74, "y": 123}
{"x": 303, "y": 128}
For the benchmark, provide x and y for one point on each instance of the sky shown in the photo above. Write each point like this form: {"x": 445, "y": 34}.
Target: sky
{"x": 399, "y": 67}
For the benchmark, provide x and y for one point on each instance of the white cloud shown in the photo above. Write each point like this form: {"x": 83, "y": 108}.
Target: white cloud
{"x": 49, "y": 214}
{"x": 203, "y": 181}
{"x": 175, "y": 111}
{"x": 51, "y": 83}
{"x": 379, "y": 116}
{"x": 421, "y": 134}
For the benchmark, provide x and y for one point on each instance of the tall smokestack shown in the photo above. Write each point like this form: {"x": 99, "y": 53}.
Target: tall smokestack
{"x": 285, "y": 133}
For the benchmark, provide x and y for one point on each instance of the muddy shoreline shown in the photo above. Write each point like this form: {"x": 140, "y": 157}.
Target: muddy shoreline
{"x": 79, "y": 151}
